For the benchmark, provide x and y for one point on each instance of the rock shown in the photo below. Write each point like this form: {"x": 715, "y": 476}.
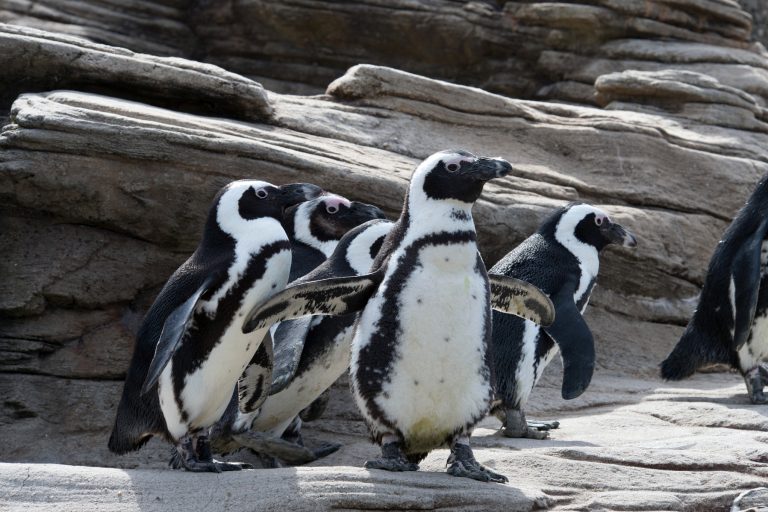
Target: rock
{"x": 34, "y": 60}
{"x": 38, "y": 487}
{"x": 759, "y": 11}
{"x": 684, "y": 94}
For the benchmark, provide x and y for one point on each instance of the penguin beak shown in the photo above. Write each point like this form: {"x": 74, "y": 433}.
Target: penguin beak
{"x": 295, "y": 193}
{"x": 484, "y": 169}
{"x": 365, "y": 212}
{"x": 616, "y": 234}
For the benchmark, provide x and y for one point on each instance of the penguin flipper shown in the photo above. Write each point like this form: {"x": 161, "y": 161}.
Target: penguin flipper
{"x": 577, "y": 346}
{"x": 745, "y": 271}
{"x": 333, "y": 296}
{"x": 255, "y": 383}
{"x": 289, "y": 340}
{"x": 520, "y": 298}
{"x": 174, "y": 327}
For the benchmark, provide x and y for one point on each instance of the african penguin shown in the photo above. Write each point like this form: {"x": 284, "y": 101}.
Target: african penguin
{"x": 314, "y": 228}
{"x": 190, "y": 349}
{"x": 561, "y": 259}
{"x": 730, "y": 324}
{"x": 419, "y": 366}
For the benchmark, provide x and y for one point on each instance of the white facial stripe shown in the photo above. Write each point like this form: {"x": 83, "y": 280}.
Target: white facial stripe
{"x": 586, "y": 254}
{"x": 250, "y": 236}
{"x": 302, "y": 231}
{"x": 358, "y": 254}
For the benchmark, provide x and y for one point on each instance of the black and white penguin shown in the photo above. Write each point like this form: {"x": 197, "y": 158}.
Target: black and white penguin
{"x": 420, "y": 364}
{"x": 561, "y": 259}
{"x": 299, "y": 345}
{"x": 730, "y": 324}
{"x": 190, "y": 349}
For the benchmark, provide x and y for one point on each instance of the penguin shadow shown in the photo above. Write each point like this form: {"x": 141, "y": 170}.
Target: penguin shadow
{"x": 490, "y": 436}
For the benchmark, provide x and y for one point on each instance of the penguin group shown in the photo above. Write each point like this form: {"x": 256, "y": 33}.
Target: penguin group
{"x": 291, "y": 286}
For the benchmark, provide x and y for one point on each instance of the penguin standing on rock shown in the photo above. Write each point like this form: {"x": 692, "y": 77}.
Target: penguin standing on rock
{"x": 314, "y": 228}
{"x": 730, "y": 324}
{"x": 562, "y": 259}
{"x": 420, "y": 362}
{"x": 190, "y": 350}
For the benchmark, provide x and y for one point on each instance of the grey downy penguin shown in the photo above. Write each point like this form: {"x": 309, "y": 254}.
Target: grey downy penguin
{"x": 420, "y": 369}
{"x": 314, "y": 228}
{"x": 190, "y": 349}
{"x": 730, "y": 324}
{"x": 561, "y": 259}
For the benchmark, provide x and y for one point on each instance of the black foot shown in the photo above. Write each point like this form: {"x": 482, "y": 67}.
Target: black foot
{"x": 271, "y": 446}
{"x": 756, "y": 379}
{"x": 326, "y": 449}
{"x": 392, "y": 459}
{"x": 195, "y": 455}
{"x": 462, "y": 463}
{"x": 515, "y": 425}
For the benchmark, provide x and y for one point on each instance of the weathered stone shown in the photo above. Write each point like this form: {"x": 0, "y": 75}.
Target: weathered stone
{"x": 34, "y": 60}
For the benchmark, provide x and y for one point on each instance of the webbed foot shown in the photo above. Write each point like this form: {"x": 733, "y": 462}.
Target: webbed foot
{"x": 194, "y": 454}
{"x": 756, "y": 379}
{"x": 462, "y": 463}
{"x": 392, "y": 459}
{"x": 272, "y": 446}
{"x": 515, "y": 425}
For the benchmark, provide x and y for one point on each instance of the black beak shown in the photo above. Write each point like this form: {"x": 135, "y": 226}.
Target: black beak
{"x": 484, "y": 169}
{"x": 366, "y": 212}
{"x": 616, "y": 234}
{"x": 295, "y": 193}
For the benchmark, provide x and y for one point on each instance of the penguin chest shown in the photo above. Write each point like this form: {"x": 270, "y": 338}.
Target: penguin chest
{"x": 438, "y": 381}
{"x": 197, "y": 384}
{"x": 755, "y": 350}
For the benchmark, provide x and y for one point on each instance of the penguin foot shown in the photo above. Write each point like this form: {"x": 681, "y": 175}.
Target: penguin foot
{"x": 755, "y": 379}
{"x": 392, "y": 459}
{"x": 515, "y": 425}
{"x": 195, "y": 455}
{"x": 462, "y": 463}
{"x": 267, "y": 445}
{"x": 326, "y": 449}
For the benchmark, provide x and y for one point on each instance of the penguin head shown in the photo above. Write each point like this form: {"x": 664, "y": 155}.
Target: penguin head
{"x": 581, "y": 222}
{"x": 243, "y": 201}
{"x": 455, "y": 175}
{"x": 327, "y": 218}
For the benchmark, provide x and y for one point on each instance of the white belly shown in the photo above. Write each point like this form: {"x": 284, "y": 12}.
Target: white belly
{"x": 437, "y": 382}
{"x": 279, "y": 409}
{"x": 207, "y": 390}
{"x": 525, "y": 374}
{"x": 756, "y": 350}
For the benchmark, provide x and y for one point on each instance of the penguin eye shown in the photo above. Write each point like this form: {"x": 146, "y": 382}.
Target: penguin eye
{"x": 599, "y": 220}
{"x": 332, "y": 208}
{"x": 261, "y": 193}
{"x": 452, "y": 167}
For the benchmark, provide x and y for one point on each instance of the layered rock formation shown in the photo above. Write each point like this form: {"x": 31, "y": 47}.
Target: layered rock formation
{"x": 104, "y": 188}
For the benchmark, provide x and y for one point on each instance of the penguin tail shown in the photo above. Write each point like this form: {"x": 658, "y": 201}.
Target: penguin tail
{"x": 122, "y": 440}
{"x": 694, "y": 350}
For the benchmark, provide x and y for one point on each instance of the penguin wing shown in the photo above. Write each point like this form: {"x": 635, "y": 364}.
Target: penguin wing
{"x": 333, "y": 296}
{"x": 174, "y": 327}
{"x": 289, "y": 340}
{"x": 745, "y": 271}
{"x": 519, "y": 298}
{"x": 577, "y": 347}
{"x": 255, "y": 383}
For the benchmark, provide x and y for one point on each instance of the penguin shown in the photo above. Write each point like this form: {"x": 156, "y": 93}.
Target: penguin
{"x": 419, "y": 367}
{"x": 190, "y": 348}
{"x": 562, "y": 260}
{"x": 730, "y": 323}
{"x": 298, "y": 345}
